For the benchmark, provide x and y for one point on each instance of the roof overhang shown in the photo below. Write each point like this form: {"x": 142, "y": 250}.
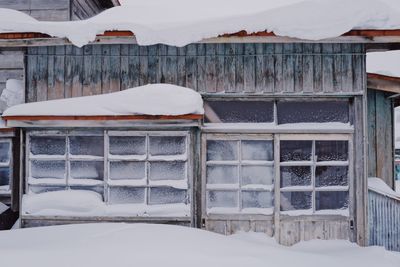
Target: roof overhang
{"x": 384, "y": 83}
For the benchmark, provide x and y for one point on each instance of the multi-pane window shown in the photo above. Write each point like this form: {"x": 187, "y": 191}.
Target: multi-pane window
{"x": 314, "y": 176}
{"x": 147, "y": 168}
{"x": 5, "y": 166}
{"x": 239, "y": 174}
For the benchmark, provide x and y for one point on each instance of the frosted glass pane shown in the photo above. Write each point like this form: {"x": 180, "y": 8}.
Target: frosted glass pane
{"x": 87, "y": 145}
{"x": 169, "y": 170}
{"x": 87, "y": 170}
{"x": 5, "y": 176}
{"x": 127, "y": 145}
{"x": 296, "y": 201}
{"x": 331, "y": 176}
{"x": 295, "y": 176}
{"x": 167, "y": 145}
{"x": 331, "y": 200}
{"x": 252, "y": 199}
{"x": 48, "y": 145}
{"x": 222, "y": 150}
{"x": 127, "y": 170}
{"x": 167, "y": 195}
{"x": 257, "y": 175}
{"x": 225, "y": 199}
{"x": 125, "y": 195}
{"x": 296, "y": 150}
{"x": 257, "y": 150}
{"x": 48, "y": 169}
{"x": 222, "y": 174}
{"x": 331, "y": 150}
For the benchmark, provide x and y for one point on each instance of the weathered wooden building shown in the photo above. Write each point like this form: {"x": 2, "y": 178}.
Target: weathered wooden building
{"x": 282, "y": 147}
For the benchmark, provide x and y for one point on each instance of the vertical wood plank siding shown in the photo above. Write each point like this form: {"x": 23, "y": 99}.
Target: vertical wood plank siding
{"x": 384, "y": 221}
{"x": 251, "y": 69}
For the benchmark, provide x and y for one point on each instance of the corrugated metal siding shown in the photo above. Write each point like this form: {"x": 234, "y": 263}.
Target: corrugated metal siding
{"x": 251, "y": 69}
{"x": 384, "y": 221}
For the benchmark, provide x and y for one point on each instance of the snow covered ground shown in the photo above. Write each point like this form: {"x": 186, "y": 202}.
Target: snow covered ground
{"x": 105, "y": 245}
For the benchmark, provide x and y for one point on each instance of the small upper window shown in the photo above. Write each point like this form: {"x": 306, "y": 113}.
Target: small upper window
{"x": 237, "y": 111}
{"x": 312, "y": 112}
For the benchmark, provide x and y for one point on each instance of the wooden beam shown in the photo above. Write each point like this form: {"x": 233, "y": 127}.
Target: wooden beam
{"x": 383, "y": 83}
{"x": 104, "y": 118}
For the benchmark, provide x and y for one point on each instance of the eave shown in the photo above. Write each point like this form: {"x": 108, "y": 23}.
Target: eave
{"x": 384, "y": 83}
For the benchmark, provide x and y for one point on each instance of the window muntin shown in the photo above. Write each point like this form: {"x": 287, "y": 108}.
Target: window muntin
{"x": 318, "y": 182}
{"x": 239, "y": 175}
{"x": 149, "y": 168}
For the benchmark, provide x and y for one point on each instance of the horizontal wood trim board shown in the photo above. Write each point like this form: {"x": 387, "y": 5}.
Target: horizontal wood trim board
{"x": 104, "y": 118}
{"x": 383, "y": 83}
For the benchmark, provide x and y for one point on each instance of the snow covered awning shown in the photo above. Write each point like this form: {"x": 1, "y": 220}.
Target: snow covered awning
{"x": 160, "y": 102}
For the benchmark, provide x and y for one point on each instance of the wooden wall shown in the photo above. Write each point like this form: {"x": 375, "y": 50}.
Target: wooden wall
{"x": 381, "y": 136}
{"x": 83, "y": 9}
{"x": 259, "y": 69}
{"x": 11, "y": 66}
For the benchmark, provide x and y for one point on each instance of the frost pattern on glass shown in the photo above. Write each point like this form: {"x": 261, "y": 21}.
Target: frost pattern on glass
{"x": 4, "y": 176}
{"x": 120, "y": 170}
{"x": 127, "y": 145}
{"x": 167, "y": 145}
{"x": 257, "y": 150}
{"x": 263, "y": 175}
{"x": 87, "y": 170}
{"x": 167, "y": 170}
{"x": 48, "y": 145}
{"x": 5, "y": 152}
{"x": 222, "y": 199}
{"x": 222, "y": 150}
{"x": 48, "y": 169}
{"x": 331, "y": 200}
{"x": 126, "y": 195}
{"x": 331, "y": 150}
{"x": 331, "y": 176}
{"x": 43, "y": 189}
{"x": 295, "y": 176}
{"x": 167, "y": 195}
{"x": 295, "y": 150}
{"x": 87, "y": 145}
{"x": 296, "y": 201}
{"x": 256, "y": 199}
{"x": 222, "y": 174}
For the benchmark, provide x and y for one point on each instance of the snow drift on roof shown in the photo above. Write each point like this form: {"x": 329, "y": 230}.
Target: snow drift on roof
{"x": 178, "y": 22}
{"x": 151, "y": 99}
{"x": 384, "y": 63}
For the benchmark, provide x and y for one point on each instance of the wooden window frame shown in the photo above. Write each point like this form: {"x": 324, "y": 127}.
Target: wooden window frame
{"x": 7, "y": 193}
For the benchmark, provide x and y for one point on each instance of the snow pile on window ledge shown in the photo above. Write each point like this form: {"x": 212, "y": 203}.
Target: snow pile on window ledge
{"x": 151, "y": 99}
{"x": 86, "y": 203}
{"x": 379, "y": 186}
{"x": 155, "y": 245}
{"x": 178, "y": 22}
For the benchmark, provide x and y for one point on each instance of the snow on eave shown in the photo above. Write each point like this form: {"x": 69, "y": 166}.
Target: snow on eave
{"x": 379, "y": 186}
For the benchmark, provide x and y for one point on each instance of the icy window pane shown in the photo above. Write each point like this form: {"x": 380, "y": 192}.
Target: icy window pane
{"x": 295, "y": 176}
{"x": 48, "y": 145}
{"x": 87, "y": 170}
{"x": 239, "y": 111}
{"x": 127, "y": 145}
{"x": 97, "y": 189}
{"x": 331, "y": 150}
{"x": 87, "y": 145}
{"x": 4, "y": 176}
{"x": 127, "y": 170}
{"x": 168, "y": 170}
{"x": 255, "y": 199}
{"x": 222, "y": 150}
{"x": 48, "y": 169}
{"x": 43, "y": 189}
{"x": 223, "y": 199}
{"x": 222, "y": 174}
{"x": 167, "y": 195}
{"x": 331, "y": 176}
{"x": 296, "y": 201}
{"x": 125, "y": 195}
{"x": 257, "y": 175}
{"x": 312, "y": 111}
{"x": 257, "y": 150}
{"x": 167, "y": 145}
{"x": 296, "y": 150}
{"x": 5, "y": 152}
{"x": 331, "y": 200}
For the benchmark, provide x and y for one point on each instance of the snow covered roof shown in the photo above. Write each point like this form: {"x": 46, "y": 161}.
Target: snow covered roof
{"x": 151, "y": 99}
{"x": 180, "y": 22}
{"x": 384, "y": 63}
